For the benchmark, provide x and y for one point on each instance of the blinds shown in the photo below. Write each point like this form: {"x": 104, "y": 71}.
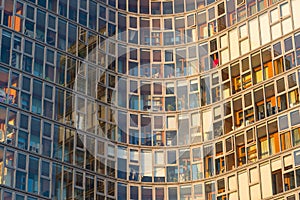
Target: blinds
{"x": 234, "y": 44}
{"x": 243, "y": 31}
{"x": 254, "y": 34}
{"x": 194, "y": 81}
{"x": 264, "y": 22}
{"x": 195, "y": 119}
{"x": 276, "y": 31}
{"x": 284, "y": 9}
{"x": 254, "y": 175}
{"x": 296, "y": 14}
{"x": 181, "y": 83}
{"x": 243, "y": 185}
{"x": 159, "y": 158}
{"x": 146, "y": 163}
{"x": 122, "y": 153}
{"x": 266, "y": 181}
{"x": 159, "y": 172}
{"x": 233, "y": 196}
{"x": 244, "y": 46}
{"x": 287, "y": 26}
{"x": 171, "y": 123}
{"x": 274, "y": 15}
{"x": 276, "y": 164}
{"x": 224, "y": 56}
{"x": 207, "y": 125}
{"x": 232, "y": 183}
{"x": 217, "y": 112}
{"x": 224, "y": 41}
{"x": 134, "y": 155}
{"x": 288, "y": 161}
{"x": 255, "y": 192}
{"x": 264, "y": 148}
{"x": 170, "y": 85}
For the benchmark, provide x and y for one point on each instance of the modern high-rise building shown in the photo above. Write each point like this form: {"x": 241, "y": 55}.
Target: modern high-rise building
{"x": 149, "y": 99}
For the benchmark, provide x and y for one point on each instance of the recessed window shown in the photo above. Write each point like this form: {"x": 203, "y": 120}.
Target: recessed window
{"x": 283, "y": 122}
{"x": 295, "y": 117}
{"x": 297, "y": 157}
{"x": 179, "y": 6}
{"x": 277, "y": 49}
{"x": 133, "y": 5}
{"x": 288, "y": 44}
{"x": 168, "y": 7}
{"x": 155, "y": 8}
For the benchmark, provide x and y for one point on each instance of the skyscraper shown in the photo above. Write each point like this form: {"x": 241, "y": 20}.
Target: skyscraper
{"x": 149, "y": 99}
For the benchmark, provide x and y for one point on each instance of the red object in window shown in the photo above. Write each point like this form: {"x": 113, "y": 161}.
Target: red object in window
{"x": 216, "y": 62}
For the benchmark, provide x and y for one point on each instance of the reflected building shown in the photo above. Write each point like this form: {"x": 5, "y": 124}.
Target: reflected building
{"x": 149, "y": 99}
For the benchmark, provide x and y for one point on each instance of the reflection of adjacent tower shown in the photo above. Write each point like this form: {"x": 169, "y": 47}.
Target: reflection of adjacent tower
{"x": 75, "y": 107}
{"x": 81, "y": 80}
{"x": 2, "y": 125}
{"x": 105, "y": 93}
{"x": 8, "y": 94}
{"x": 137, "y": 99}
{"x": 14, "y": 22}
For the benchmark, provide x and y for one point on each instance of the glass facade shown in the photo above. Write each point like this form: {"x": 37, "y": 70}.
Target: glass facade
{"x": 149, "y": 99}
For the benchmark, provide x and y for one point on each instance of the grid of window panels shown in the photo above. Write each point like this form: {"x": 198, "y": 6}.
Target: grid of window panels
{"x": 127, "y": 99}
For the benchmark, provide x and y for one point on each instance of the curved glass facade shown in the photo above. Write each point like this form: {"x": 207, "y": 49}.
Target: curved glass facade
{"x": 149, "y": 99}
